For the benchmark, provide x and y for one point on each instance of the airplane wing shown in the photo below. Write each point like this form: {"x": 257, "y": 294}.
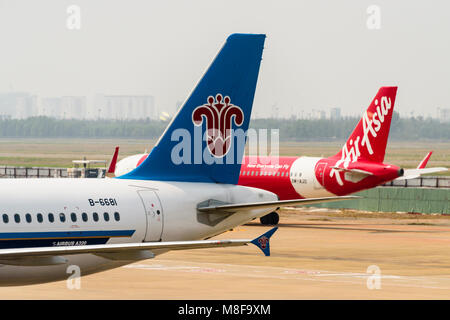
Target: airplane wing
{"x": 122, "y": 251}
{"x": 231, "y": 208}
{"x": 415, "y": 173}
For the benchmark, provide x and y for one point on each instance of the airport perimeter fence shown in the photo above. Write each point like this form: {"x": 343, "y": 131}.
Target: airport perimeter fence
{"x": 424, "y": 181}
{"x": 397, "y": 199}
{"x": 45, "y": 172}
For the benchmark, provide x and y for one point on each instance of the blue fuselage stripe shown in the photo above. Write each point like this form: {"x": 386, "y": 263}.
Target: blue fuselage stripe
{"x": 64, "y": 234}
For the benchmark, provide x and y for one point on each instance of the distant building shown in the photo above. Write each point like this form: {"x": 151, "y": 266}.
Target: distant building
{"x": 73, "y": 107}
{"x": 124, "y": 107}
{"x": 322, "y": 115}
{"x": 21, "y": 105}
{"x": 444, "y": 115}
{"x": 51, "y": 107}
{"x": 335, "y": 113}
{"x": 67, "y": 107}
{"x": 18, "y": 105}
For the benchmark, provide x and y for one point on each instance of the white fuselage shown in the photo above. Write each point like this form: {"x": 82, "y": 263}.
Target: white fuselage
{"x": 127, "y": 211}
{"x": 304, "y": 180}
{"x": 129, "y": 163}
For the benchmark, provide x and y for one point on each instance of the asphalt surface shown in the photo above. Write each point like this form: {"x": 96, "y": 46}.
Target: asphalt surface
{"x": 314, "y": 256}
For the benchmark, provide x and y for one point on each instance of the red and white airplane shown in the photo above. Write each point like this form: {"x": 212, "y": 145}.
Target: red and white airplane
{"x": 357, "y": 166}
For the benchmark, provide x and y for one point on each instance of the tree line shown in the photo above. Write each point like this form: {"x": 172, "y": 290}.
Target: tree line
{"x": 289, "y": 129}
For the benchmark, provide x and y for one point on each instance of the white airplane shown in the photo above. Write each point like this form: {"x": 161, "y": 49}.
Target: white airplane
{"x": 127, "y": 164}
{"x": 47, "y": 225}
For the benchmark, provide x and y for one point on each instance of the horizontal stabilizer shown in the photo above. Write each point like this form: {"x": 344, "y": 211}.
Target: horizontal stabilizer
{"x": 358, "y": 171}
{"x": 231, "y": 208}
{"x": 415, "y": 173}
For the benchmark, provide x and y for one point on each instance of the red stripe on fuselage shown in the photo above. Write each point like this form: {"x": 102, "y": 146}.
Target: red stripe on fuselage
{"x": 273, "y": 177}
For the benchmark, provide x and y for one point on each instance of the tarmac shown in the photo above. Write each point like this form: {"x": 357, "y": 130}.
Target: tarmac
{"x": 316, "y": 254}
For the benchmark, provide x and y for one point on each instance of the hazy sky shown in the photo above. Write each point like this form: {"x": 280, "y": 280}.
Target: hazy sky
{"x": 319, "y": 54}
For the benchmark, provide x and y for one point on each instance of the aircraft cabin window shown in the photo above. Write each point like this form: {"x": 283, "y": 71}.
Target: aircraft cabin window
{"x": 5, "y": 218}
{"x": 40, "y": 218}
{"x": 106, "y": 216}
{"x": 95, "y": 216}
{"x": 17, "y": 218}
{"x": 51, "y": 217}
{"x": 28, "y": 217}
{"x": 62, "y": 217}
{"x": 84, "y": 216}
{"x": 117, "y": 216}
{"x": 73, "y": 217}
